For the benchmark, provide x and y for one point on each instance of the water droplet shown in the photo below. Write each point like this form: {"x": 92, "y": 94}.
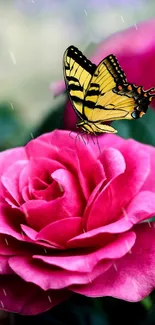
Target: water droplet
{"x": 12, "y": 57}
{"x": 85, "y": 12}
{"x": 122, "y": 19}
{"x": 31, "y": 134}
{"x": 45, "y": 250}
{"x": 128, "y": 247}
{"x": 61, "y": 188}
{"x": 2, "y": 303}
{"x": 49, "y": 298}
{"x": 115, "y": 266}
{"x": 149, "y": 223}
{"x": 5, "y": 294}
{"x": 6, "y": 241}
{"x": 12, "y": 105}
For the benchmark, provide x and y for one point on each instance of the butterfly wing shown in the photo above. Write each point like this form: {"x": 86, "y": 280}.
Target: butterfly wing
{"x": 105, "y": 100}
{"x": 78, "y": 71}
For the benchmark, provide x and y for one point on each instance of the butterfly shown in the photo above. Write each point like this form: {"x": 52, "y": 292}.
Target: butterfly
{"x": 101, "y": 93}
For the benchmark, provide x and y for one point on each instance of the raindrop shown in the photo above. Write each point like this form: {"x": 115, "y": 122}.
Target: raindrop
{"x": 45, "y": 250}
{"x": 12, "y": 57}
{"x": 135, "y": 26}
{"x": 85, "y": 12}
{"x": 12, "y": 105}
{"x": 25, "y": 211}
{"x": 6, "y": 241}
{"x": 5, "y": 294}
{"x": 115, "y": 266}
{"x": 61, "y": 188}
{"x": 149, "y": 224}
{"x": 2, "y": 304}
{"x": 49, "y": 298}
{"x": 31, "y": 134}
{"x": 125, "y": 214}
{"x": 122, "y": 19}
{"x": 128, "y": 247}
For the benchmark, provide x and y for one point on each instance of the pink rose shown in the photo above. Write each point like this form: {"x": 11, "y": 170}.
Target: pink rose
{"x": 72, "y": 221}
{"x": 135, "y": 50}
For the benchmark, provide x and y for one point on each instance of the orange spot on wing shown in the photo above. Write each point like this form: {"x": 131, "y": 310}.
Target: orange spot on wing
{"x": 129, "y": 87}
{"x": 139, "y": 90}
{"x": 141, "y": 114}
{"x": 120, "y": 87}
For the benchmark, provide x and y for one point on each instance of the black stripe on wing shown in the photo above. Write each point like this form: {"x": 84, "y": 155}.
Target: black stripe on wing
{"x": 77, "y": 55}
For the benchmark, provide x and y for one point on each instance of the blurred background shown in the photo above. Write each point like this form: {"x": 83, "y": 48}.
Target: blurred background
{"x": 33, "y": 37}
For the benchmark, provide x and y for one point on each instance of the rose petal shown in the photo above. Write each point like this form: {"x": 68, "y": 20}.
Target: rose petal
{"x": 10, "y": 221}
{"x": 108, "y": 205}
{"x": 87, "y": 260}
{"x": 69, "y": 205}
{"x": 134, "y": 276}
{"x": 4, "y": 266}
{"x": 10, "y": 156}
{"x": 46, "y": 278}
{"x": 41, "y": 168}
{"x": 18, "y": 296}
{"x": 31, "y": 234}
{"x": 54, "y": 233}
{"x": 10, "y": 181}
{"x": 114, "y": 165}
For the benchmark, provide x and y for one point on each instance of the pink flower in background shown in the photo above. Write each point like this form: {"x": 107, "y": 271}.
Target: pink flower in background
{"x": 71, "y": 221}
{"x": 135, "y": 50}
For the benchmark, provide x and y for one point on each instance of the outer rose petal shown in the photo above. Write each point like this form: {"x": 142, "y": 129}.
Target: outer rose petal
{"x": 10, "y": 181}
{"x": 46, "y": 278}
{"x": 87, "y": 260}
{"x": 18, "y": 296}
{"x": 140, "y": 208}
{"x": 9, "y": 157}
{"x": 119, "y": 143}
{"x": 134, "y": 276}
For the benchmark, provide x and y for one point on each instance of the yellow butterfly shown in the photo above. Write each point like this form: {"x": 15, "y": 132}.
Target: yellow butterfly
{"x": 101, "y": 93}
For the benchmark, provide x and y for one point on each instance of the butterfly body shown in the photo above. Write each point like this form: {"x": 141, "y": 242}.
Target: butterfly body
{"x": 101, "y": 93}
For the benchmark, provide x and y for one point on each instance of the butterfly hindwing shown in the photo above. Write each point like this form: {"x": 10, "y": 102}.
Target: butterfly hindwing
{"x": 78, "y": 71}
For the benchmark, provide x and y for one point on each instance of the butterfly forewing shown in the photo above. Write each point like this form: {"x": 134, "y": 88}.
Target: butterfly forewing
{"x": 78, "y": 71}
